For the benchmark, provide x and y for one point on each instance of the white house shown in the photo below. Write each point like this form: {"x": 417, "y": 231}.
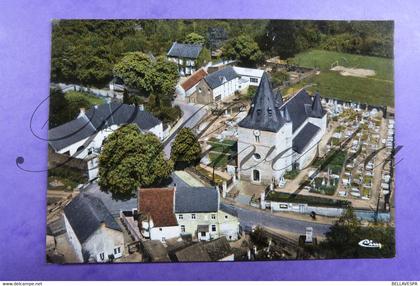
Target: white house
{"x": 171, "y": 212}
{"x": 82, "y": 137}
{"x": 157, "y": 220}
{"x": 92, "y": 230}
{"x": 198, "y": 213}
{"x": 278, "y": 136}
{"x": 189, "y": 86}
{"x": 249, "y": 76}
{"x": 218, "y": 86}
{"x": 185, "y": 56}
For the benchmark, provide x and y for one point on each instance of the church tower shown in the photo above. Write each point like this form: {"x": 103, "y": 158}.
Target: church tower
{"x": 265, "y": 138}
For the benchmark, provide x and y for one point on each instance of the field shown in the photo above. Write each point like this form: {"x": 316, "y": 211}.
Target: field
{"x": 375, "y": 90}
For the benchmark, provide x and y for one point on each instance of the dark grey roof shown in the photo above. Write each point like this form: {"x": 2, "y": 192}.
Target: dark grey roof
{"x": 56, "y": 227}
{"x": 317, "y": 110}
{"x": 264, "y": 113}
{"x": 304, "y": 136}
{"x": 96, "y": 119}
{"x": 217, "y": 78}
{"x": 218, "y": 248}
{"x": 191, "y": 51}
{"x": 228, "y": 209}
{"x": 296, "y": 110}
{"x": 155, "y": 250}
{"x": 195, "y": 252}
{"x": 86, "y": 213}
{"x": 196, "y": 199}
{"x": 70, "y": 133}
{"x": 108, "y": 114}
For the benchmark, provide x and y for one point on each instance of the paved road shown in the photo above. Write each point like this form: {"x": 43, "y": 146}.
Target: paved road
{"x": 249, "y": 218}
{"x": 94, "y": 91}
{"x": 191, "y": 115}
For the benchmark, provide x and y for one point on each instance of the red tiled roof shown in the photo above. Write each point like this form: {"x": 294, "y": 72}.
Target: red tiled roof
{"x": 194, "y": 79}
{"x": 159, "y": 204}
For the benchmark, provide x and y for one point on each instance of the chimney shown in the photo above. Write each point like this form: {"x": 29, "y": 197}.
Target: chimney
{"x": 82, "y": 110}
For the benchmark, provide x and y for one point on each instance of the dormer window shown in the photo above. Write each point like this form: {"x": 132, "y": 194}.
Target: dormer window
{"x": 270, "y": 112}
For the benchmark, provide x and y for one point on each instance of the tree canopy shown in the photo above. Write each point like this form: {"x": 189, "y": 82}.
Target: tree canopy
{"x": 194, "y": 38}
{"x": 185, "y": 150}
{"x": 147, "y": 74}
{"x": 130, "y": 159}
{"x": 342, "y": 241}
{"x": 244, "y": 49}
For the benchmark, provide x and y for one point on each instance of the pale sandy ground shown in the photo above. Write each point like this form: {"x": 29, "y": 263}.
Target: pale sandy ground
{"x": 354, "y": 71}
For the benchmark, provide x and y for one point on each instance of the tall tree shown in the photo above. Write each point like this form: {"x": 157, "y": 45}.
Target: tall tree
{"x": 185, "y": 150}
{"x": 130, "y": 159}
{"x": 194, "y": 38}
{"x": 244, "y": 49}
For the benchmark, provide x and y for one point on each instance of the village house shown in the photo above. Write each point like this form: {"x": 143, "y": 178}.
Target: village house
{"x": 217, "y": 86}
{"x": 193, "y": 211}
{"x": 250, "y": 76}
{"x": 157, "y": 220}
{"x": 185, "y": 56}
{"x": 92, "y": 230}
{"x": 187, "y": 88}
{"x": 214, "y": 250}
{"x": 82, "y": 137}
{"x": 277, "y": 136}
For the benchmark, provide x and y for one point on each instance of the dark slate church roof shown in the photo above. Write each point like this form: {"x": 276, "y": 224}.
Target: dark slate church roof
{"x": 191, "y": 51}
{"x": 196, "y": 199}
{"x": 217, "y": 78}
{"x": 96, "y": 119}
{"x": 305, "y": 135}
{"x": 269, "y": 113}
{"x": 86, "y": 213}
{"x": 265, "y": 109}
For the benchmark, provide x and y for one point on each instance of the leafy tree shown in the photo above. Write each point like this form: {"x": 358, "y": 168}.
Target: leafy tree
{"x": 147, "y": 74}
{"x": 259, "y": 238}
{"x": 244, "y": 49}
{"x": 194, "y": 38}
{"x": 204, "y": 57}
{"x": 342, "y": 241}
{"x": 185, "y": 150}
{"x": 130, "y": 159}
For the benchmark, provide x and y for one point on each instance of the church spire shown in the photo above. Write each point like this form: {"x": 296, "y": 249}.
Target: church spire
{"x": 317, "y": 110}
{"x": 264, "y": 113}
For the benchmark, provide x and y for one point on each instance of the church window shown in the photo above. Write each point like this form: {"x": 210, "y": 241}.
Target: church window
{"x": 256, "y": 175}
{"x": 257, "y": 138}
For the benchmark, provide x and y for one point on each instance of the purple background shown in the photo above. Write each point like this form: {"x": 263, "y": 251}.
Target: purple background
{"x": 25, "y": 30}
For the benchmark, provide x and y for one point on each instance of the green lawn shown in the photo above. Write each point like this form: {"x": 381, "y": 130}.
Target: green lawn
{"x": 376, "y": 90}
{"x": 74, "y": 96}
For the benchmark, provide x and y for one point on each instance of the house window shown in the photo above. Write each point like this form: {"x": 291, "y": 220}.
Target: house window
{"x": 253, "y": 79}
{"x": 257, "y": 156}
{"x": 102, "y": 255}
{"x": 257, "y": 138}
{"x": 213, "y": 216}
{"x": 117, "y": 250}
{"x": 193, "y": 216}
{"x": 203, "y": 233}
{"x": 213, "y": 227}
{"x": 163, "y": 239}
{"x": 256, "y": 175}
{"x": 199, "y": 89}
{"x": 180, "y": 216}
{"x": 218, "y": 98}
{"x": 160, "y": 229}
{"x": 226, "y": 217}
{"x": 182, "y": 228}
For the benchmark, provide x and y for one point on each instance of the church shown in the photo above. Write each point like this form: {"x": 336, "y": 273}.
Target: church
{"x": 277, "y": 136}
